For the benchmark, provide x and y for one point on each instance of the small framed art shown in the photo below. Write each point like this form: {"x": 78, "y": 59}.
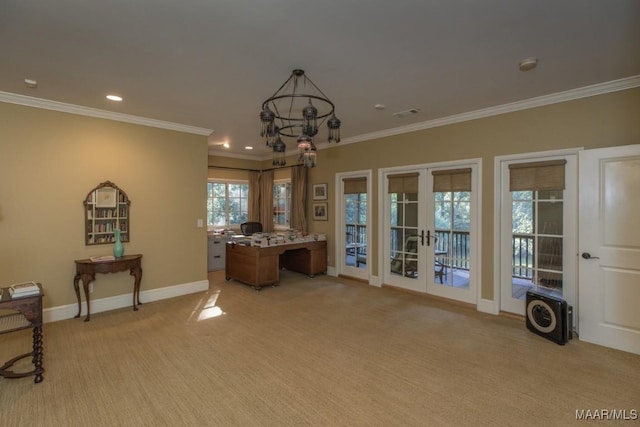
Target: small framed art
{"x": 320, "y": 211}
{"x": 106, "y": 197}
{"x": 320, "y": 192}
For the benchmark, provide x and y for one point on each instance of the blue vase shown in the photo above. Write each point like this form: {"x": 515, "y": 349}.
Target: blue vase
{"x": 118, "y": 249}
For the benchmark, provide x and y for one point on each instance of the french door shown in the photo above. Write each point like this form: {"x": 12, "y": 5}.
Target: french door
{"x": 429, "y": 226}
{"x": 537, "y": 228}
{"x": 352, "y": 227}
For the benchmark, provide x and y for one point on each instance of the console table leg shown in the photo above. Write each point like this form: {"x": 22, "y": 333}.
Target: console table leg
{"x": 76, "y": 287}
{"x": 136, "y": 272}
{"x": 86, "y": 279}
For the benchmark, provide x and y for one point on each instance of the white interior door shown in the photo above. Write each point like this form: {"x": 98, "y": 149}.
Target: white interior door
{"x": 609, "y": 245}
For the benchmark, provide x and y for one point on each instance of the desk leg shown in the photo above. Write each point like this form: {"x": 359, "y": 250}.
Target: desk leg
{"x": 137, "y": 273}
{"x": 37, "y": 353}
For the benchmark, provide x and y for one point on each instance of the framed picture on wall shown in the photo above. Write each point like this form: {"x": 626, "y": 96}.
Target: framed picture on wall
{"x": 106, "y": 197}
{"x": 320, "y": 211}
{"x": 320, "y": 192}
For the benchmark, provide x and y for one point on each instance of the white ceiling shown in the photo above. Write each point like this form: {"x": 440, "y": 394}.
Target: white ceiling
{"x": 209, "y": 64}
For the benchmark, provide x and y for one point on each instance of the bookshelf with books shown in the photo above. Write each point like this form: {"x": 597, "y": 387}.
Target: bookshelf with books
{"x": 106, "y": 208}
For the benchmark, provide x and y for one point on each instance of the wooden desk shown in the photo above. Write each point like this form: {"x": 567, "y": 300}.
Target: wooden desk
{"x": 86, "y": 271}
{"x": 28, "y": 314}
{"x": 260, "y": 266}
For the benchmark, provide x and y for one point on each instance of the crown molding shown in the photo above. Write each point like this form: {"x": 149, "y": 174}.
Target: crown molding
{"x": 540, "y": 101}
{"x": 221, "y": 153}
{"x": 29, "y": 101}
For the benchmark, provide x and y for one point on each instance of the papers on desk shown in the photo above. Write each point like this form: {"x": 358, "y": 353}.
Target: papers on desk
{"x": 23, "y": 289}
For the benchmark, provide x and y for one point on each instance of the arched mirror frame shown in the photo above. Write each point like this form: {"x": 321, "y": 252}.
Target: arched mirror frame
{"x": 106, "y": 208}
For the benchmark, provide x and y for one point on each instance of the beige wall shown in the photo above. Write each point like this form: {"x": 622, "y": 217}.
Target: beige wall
{"x": 599, "y": 121}
{"x": 49, "y": 161}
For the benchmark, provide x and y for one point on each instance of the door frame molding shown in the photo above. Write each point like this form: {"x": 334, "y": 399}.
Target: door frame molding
{"x": 500, "y": 180}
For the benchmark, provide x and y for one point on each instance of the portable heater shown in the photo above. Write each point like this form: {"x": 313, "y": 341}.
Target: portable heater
{"x": 549, "y": 317}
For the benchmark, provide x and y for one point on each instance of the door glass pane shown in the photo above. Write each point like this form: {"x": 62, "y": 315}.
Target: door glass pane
{"x": 355, "y": 214}
{"x": 404, "y": 234}
{"x": 537, "y": 244}
{"x": 452, "y": 252}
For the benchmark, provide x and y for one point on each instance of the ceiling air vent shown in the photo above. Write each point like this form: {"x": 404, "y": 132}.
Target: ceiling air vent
{"x": 406, "y": 113}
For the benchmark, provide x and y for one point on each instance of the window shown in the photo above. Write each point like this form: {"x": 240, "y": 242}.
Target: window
{"x": 227, "y": 203}
{"x": 282, "y": 204}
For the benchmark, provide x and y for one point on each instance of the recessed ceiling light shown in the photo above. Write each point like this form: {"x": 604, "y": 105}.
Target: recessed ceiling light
{"x": 248, "y": 147}
{"x": 31, "y": 83}
{"x": 379, "y": 107}
{"x": 225, "y": 145}
{"x": 528, "y": 64}
{"x": 114, "y": 98}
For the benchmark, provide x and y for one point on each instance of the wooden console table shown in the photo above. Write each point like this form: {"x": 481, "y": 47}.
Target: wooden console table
{"x": 260, "y": 266}
{"x": 28, "y": 314}
{"x": 86, "y": 271}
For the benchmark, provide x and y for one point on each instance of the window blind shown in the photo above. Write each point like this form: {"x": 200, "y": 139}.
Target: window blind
{"x": 355, "y": 185}
{"x": 537, "y": 176}
{"x": 403, "y": 183}
{"x": 452, "y": 180}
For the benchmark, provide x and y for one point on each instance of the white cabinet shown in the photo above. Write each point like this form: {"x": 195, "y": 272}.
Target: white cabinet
{"x": 216, "y": 249}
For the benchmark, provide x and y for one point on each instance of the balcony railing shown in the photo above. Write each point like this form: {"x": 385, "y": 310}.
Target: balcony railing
{"x": 457, "y": 246}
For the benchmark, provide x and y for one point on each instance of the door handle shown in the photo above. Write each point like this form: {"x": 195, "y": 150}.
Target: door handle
{"x": 422, "y": 237}
{"x": 587, "y": 255}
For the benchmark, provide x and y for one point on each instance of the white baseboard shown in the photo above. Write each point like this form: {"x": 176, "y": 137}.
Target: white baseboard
{"x": 488, "y": 306}
{"x": 375, "y": 281}
{"x": 69, "y": 311}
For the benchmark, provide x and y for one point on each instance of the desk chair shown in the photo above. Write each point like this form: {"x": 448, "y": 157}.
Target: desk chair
{"x": 248, "y": 228}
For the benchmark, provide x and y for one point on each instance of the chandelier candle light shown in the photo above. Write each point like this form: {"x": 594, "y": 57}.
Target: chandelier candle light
{"x": 290, "y": 112}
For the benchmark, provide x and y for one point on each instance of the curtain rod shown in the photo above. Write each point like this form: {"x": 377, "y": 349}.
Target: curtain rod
{"x": 250, "y": 170}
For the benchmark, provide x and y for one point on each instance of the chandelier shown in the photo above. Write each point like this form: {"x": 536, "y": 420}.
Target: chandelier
{"x": 291, "y": 113}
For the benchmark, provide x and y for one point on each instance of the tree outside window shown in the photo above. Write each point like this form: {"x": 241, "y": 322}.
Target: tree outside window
{"x": 282, "y": 204}
{"x": 227, "y": 203}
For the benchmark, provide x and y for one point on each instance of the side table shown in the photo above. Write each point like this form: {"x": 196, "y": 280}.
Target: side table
{"x": 86, "y": 271}
{"x": 26, "y": 313}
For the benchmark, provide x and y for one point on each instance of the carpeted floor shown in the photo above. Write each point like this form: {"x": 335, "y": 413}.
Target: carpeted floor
{"x": 311, "y": 352}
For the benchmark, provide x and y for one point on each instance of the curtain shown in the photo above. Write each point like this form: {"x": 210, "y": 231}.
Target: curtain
{"x": 537, "y": 176}
{"x": 253, "y": 213}
{"x": 266, "y": 201}
{"x": 299, "y": 198}
{"x": 452, "y": 180}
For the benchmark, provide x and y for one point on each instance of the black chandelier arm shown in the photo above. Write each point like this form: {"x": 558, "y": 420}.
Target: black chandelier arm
{"x": 290, "y": 130}
{"x": 326, "y": 98}
{"x": 270, "y": 103}
{"x": 293, "y": 77}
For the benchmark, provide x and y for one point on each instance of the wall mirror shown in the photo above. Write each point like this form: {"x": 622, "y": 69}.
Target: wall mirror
{"x": 106, "y": 208}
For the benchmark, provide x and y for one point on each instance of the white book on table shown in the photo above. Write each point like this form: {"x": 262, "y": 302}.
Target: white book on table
{"x": 24, "y": 288}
